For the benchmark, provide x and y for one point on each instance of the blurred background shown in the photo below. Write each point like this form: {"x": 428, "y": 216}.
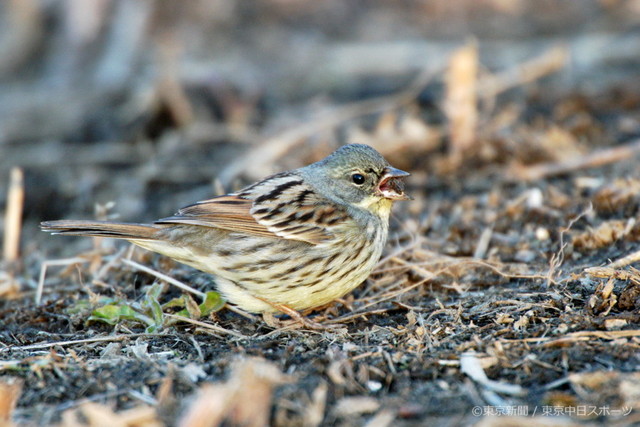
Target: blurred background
{"x": 518, "y": 120}
{"x": 156, "y": 104}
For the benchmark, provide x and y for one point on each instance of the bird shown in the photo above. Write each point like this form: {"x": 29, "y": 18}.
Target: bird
{"x": 294, "y": 241}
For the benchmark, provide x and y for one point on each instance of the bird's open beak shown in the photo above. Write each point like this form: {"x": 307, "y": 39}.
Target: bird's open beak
{"x": 391, "y": 184}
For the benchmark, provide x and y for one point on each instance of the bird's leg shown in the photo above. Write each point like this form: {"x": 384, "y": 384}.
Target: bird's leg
{"x": 329, "y": 308}
{"x": 305, "y": 321}
{"x": 297, "y": 317}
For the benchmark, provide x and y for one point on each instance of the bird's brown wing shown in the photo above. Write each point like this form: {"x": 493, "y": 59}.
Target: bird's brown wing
{"x": 295, "y": 213}
{"x": 229, "y": 212}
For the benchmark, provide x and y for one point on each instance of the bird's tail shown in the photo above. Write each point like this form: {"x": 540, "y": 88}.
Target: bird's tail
{"x": 115, "y": 230}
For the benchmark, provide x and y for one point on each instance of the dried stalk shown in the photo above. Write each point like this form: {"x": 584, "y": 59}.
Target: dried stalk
{"x": 13, "y": 216}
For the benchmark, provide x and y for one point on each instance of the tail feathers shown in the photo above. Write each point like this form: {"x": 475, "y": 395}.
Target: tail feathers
{"x": 101, "y": 229}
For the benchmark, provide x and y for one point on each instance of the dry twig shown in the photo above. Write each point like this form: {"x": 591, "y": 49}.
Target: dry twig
{"x": 13, "y": 216}
{"x": 53, "y": 263}
{"x": 164, "y": 277}
{"x": 549, "y": 62}
{"x": 110, "y": 338}
{"x": 207, "y": 326}
{"x": 460, "y": 102}
{"x": 594, "y": 159}
{"x": 625, "y": 260}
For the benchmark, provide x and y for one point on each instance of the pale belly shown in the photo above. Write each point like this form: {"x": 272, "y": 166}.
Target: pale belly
{"x": 252, "y": 272}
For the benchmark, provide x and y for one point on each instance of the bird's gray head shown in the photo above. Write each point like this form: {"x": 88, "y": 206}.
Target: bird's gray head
{"x": 356, "y": 174}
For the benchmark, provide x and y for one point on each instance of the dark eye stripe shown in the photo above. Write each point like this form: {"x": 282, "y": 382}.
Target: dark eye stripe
{"x": 374, "y": 173}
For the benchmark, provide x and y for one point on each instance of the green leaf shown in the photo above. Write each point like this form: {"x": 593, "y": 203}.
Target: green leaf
{"x": 212, "y": 303}
{"x": 150, "y": 303}
{"x": 83, "y": 306}
{"x": 176, "y": 302}
{"x": 113, "y": 313}
{"x": 154, "y": 291}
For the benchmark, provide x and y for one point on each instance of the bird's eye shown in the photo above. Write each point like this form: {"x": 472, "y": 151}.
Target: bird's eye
{"x": 357, "y": 178}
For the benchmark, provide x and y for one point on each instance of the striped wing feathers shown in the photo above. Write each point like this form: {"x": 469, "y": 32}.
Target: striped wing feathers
{"x": 282, "y": 206}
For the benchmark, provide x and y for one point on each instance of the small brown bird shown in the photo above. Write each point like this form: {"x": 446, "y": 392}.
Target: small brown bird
{"x": 296, "y": 240}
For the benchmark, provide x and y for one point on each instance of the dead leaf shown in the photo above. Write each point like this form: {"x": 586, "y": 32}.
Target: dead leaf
{"x": 245, "y": 399}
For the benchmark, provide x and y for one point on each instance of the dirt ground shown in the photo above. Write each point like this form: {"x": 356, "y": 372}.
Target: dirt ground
{"x": 507, "y": 293}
